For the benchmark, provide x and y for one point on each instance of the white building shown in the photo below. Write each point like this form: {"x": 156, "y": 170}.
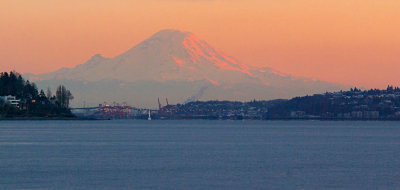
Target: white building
{"x": 12, "y": 100}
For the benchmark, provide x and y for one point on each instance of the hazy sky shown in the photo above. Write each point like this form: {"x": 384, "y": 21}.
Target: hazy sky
{"x": 353, "y": 42}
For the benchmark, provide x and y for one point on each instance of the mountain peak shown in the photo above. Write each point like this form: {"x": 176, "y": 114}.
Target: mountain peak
{"x": 97, "y": 56}
{"x": 170, "y": 33}
{"x": 167, "y": 37}
{"x": 176, "y": 55}
{"x": 96, "y": 59}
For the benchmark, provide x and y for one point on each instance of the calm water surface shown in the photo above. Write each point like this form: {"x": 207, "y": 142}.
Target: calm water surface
{"x": 199, "y": 155}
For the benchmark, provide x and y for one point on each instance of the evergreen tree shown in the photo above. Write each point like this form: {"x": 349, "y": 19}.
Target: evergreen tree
{"x": 41, "y": 94}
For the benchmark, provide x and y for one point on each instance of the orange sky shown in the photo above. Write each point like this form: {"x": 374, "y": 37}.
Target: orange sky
{"x": 354, "y": 42}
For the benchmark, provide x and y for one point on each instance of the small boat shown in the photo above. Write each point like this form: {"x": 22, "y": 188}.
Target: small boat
{"x": 149, "y": 118}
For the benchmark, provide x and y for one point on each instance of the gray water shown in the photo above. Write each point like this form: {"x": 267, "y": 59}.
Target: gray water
{"x": 199, "y": 155}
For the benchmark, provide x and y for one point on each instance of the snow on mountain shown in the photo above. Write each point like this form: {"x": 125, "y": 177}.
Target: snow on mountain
{"x": 175, "y": 64}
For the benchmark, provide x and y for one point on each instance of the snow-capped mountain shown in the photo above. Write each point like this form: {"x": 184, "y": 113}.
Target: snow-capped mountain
{"x": 176, "y": 65}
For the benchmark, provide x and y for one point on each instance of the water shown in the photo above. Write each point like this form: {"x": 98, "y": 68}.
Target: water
{"x": 199, "y": 155}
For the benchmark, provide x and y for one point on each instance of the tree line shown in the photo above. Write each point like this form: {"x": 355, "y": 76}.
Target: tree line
{"x": 384, "y": 101}
{"x": 33, "y": 103}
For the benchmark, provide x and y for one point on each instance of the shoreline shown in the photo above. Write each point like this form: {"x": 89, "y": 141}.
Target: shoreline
{"x": 46, "y": 119}
{"x": 188, "y": 119}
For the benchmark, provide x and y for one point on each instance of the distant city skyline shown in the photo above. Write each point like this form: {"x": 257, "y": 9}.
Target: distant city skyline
{"x": 350, "y": 42}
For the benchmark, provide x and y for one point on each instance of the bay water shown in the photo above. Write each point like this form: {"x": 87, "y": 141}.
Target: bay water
{"x": 199, "y": 154}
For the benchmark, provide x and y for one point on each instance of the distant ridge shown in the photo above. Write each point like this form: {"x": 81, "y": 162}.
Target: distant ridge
{"x": 177, "y": 65}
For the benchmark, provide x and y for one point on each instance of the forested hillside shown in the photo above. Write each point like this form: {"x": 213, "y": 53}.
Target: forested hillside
{"x": 30, "y": 102}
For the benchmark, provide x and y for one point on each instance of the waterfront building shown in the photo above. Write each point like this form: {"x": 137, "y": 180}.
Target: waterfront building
{"x": 12, "y": 100}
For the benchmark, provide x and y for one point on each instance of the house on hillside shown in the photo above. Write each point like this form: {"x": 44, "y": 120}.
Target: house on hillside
{"x": 12, "y": 100}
